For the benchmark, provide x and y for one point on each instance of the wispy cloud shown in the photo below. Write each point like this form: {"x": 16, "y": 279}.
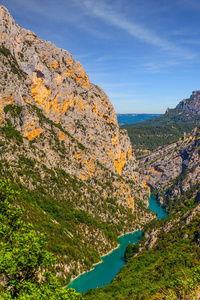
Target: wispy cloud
{"x": 51, "y": 10}
{"x": 106, "y": 13}
{"x": 119, "y": 84}
{"x": 115, "y": 57}
{"x": 155, "y": 67}
{"x": 110, "y": 14}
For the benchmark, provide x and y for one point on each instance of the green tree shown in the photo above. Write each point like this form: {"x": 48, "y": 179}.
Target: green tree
{"x": 131, "y": 250}
{"x": 24, "y": 262}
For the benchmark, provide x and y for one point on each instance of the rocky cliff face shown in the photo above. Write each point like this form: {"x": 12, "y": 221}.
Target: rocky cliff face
{"x": 191, "y": 105}
{"x": 53, "y": 81}
{"x": 36, "y": 72}
{"x": 61, "y": 145}
{"x": 174, "y": 169}
{"x": 181, "y": 222}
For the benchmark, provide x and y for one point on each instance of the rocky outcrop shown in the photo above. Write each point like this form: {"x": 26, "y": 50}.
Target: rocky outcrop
{"x": 51, "y": 79}
{"x": 37, "y": 72}
{"x": 191, "y": 105}
{"x": 181, "y": 222}
{"x": 174, "y": 169}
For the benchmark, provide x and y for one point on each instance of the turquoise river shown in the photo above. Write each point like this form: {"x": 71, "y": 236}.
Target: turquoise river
{"x": 104, "y": 272}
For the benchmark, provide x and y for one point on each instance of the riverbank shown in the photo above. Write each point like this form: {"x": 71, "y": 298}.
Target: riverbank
{"x": 105, "y": 270}
{"x": 101, "y": 261}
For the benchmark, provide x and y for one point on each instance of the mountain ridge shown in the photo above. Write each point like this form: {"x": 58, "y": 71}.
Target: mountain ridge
{"x": 61, "y": 88}
{"x": 187, "y": 110}
{"x": 75, "y": 175}
{"x": 151, "y": 134}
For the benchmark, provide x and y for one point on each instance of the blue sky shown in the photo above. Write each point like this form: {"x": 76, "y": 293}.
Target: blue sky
{"x": 144, "y": 54}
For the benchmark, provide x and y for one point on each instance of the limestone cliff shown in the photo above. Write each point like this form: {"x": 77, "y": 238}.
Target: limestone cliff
{"x": 60, "y": 144}
{"x": 192, "y": 104}
{"x": 37, "y": 72}
{"x": 174, "y": 170}
{"x": 53, "y": 81}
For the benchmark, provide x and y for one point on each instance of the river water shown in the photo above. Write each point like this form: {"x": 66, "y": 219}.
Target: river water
{"x": 104, "y": 272}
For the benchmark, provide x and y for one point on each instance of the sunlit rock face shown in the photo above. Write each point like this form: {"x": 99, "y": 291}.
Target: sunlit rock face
{"x": 58, "y": 84}
{"x": 174, "y": 169}
{"x": 192, "y": 104}
{"x": 36, "y": 72}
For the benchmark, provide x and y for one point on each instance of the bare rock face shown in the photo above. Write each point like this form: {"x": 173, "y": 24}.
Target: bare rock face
{"x": 53, "y": 81}
{"x": 37, "y": 73}
{"x": 174, "y": 169}
{"x": 191, "y": 105}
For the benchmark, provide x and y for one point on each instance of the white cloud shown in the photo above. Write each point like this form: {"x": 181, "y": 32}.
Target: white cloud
{"x": 116, "y": 19}
{"x": 155, "y": 67}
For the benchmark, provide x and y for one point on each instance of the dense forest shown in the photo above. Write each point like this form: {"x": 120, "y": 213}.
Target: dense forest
{"x": 148, "y": 138}
{"x": 157, "y": 132}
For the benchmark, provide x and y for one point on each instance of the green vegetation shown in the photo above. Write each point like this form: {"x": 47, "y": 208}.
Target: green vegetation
{"x": 150, "y": 137}
{"x": 13, "y": 109}
{"x": 160, "y": 131}
{"x": 187, "y": 200}
{"x": 65, "y": 234}
{"x": 11, "y": 62}
{"x": 131, "y": 250}
{"x": 172, "y": 116}
{"x": 169, "y": 270}
{"x": 23, "y": 257}
{"x": 185, "y": 289}
{"x": 150, "y": 273}
{"x": 28, "y": 43}
{"x": 5, "y": 51}
{"x": 74, "y": 214}
{"x": 10, "y": 132}
{"x": 153, "y": 273}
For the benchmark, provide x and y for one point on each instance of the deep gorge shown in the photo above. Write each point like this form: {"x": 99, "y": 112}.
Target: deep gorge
{"x": 105, "y": 272}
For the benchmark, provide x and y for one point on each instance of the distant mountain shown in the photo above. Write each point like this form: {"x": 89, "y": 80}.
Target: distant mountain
{"x": 134, "y": 118}
{"x": 165, "y": 129}
{"x": 187, "y": 111}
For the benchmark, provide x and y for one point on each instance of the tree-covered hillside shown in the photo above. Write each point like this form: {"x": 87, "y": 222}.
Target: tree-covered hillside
{"x": 165, "y": 264}
{"x": 167, "y": 128}
{"x": 150, "y": 137}
{"x": 25, "y": 264}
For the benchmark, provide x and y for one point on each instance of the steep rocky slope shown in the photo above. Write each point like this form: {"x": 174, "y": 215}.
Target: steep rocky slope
{"x": 190, "y": 105}
{"x": 174, "y": 169}
{"x": 62, "y": 148}
{"x": 187, "y": 111}
{"x": 49, "y": 78}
